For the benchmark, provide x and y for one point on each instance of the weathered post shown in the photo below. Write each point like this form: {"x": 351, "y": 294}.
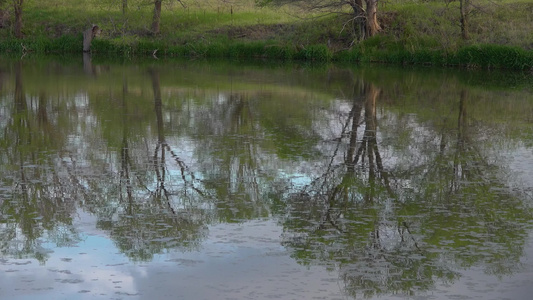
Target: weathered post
{"x": 87, "y": 64}
{"x": 88, "y": 36}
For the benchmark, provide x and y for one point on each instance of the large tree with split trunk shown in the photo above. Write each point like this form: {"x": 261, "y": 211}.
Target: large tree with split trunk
{"x": 365, "y": 17}
{"x": 363, "y": 13}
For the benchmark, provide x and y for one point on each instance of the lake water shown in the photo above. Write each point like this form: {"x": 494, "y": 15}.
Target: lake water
{"x": 226, "y": 180}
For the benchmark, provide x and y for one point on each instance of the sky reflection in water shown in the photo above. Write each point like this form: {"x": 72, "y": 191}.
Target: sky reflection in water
{"x": 243, "y": 261}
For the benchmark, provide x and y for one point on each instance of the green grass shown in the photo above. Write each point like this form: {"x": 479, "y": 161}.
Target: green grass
{"x": 414, "y": 32}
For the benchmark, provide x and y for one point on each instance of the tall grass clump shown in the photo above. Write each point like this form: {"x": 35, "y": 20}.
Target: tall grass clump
{"x": 144, "y": 47}
{"x": 494, "y": 56}
{"x": 104, "y": 46}
{"x": 353, "y": 55}
{"x": 11, "y": 45}
{"x": 314, "y": 53}
{"x": 279, "y": 52}
{"x": 66, "y": 44}
{"x": 256, "y": 49}
{"x": 39, "y": 44}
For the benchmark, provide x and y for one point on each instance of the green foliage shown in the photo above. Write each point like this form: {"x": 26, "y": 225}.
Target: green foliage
{"x": 413, "y": 33}
{"x": 279, "y": 52}
{"x": 387, "y": 49}
{"x": 494, "y": 56}
{"x": 103, "y": 46}
{"x": 353, "y": 55}
{"x": 67, "y": 43}
{"x": 64, "y": 44}
{"x": 148, "y": 47}
{"x": 11, "y": 45}
{"x": 314, "y": 53}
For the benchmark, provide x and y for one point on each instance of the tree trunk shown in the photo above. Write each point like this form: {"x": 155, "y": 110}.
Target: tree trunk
{"x": 42, "y": 115}
{"x": 365, "y": 21}
{"x": 359, "y": 23}
{"x": 17, "y": 7}
{"x": 355, "y": 115}
{"x": 461, "y": 122}
{"x": 372, "y": 25}
{"x": 3, "y": 17}
{"x": 158, "y": 104}
{"x": 124, "y": 6}
{"x": 20, "y": 101}
{"x": 464, "y": 6}
{"x": 369, "y": 138}
{"x": 157, "y": 17}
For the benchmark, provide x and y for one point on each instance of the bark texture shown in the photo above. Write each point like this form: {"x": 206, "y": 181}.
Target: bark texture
{"x": 157, "y": 17}
{"x": 365, "y": 18}
{"x": 372, "y": 25}
{"x": 464, "y": 6}
{"x": 17, "y": 7}
{"x": 88, "y": 36}
{"x": 124, "y": 6}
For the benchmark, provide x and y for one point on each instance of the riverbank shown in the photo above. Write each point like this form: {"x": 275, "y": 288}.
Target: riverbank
{"x": 424, "y": 33}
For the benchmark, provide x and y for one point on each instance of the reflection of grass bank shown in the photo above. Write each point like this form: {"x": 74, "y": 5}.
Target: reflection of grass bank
{"x": 425, "y": 33}
{"x": 471, "y": 56}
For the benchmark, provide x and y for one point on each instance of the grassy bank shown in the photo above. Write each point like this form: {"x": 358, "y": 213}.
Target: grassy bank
{"x": 425, "y": 32}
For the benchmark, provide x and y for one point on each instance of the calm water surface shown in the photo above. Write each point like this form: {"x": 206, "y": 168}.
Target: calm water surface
{"x": 195, "y": 180}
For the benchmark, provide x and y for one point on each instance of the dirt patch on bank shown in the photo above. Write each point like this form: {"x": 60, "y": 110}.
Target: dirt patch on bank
{"x": 284, "y": 33}
{"x": 256, "y": 32}
{"x": 336, "y": 33}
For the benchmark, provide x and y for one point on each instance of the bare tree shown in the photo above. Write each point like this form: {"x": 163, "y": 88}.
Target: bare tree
{"x": 156, "y": 20}
{"x": 4, "y": 15}
{"x": 465, "y": 13}
{"x": 17, "y": 7}
{"x": 124, "y": 6}
{"x": 363, "y": 15}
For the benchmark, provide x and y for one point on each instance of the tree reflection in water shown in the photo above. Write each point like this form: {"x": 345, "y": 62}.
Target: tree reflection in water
{"x": 145, "y": 210}
{"x": 401, "y": 223}
{"x": 36, "y": 207}
{"x": 168, "y": 214}
{"x": 394, "y": 201}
